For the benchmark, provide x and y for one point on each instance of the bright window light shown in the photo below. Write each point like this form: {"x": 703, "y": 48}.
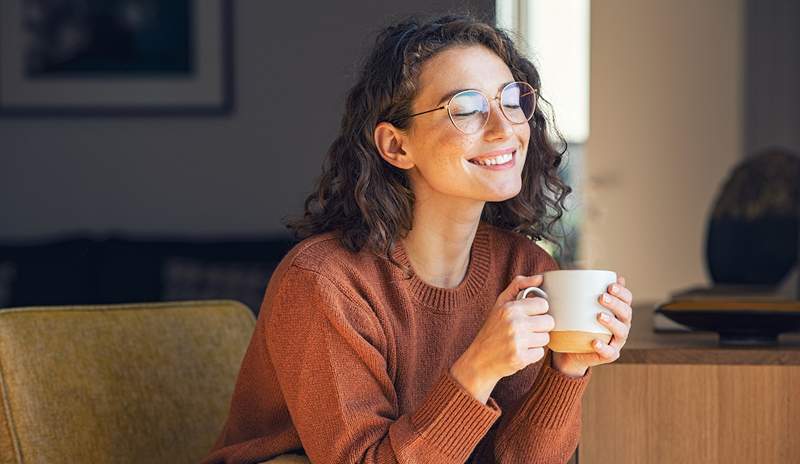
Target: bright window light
{"x": 555, "y": 36}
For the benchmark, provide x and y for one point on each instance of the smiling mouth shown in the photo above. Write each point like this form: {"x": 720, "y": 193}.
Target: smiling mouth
{"x": 502, "y": 161}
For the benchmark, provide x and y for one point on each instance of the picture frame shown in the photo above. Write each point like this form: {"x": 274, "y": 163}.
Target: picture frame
{"x": 127, "y": 58}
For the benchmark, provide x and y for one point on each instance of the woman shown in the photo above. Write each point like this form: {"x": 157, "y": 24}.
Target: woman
{"x": 392, "y": 333}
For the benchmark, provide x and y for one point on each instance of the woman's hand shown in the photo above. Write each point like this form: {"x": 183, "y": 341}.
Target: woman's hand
{"x": 512, "y": 337}
{"x": 619, "y": 302}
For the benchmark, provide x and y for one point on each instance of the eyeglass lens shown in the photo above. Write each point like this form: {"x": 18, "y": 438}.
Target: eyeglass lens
{"x": 469, "y": 110}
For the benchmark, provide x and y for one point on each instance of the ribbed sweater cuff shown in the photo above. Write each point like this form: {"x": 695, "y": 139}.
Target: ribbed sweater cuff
{"x": 452, "y": 420}
{"x": 553, "y": 398}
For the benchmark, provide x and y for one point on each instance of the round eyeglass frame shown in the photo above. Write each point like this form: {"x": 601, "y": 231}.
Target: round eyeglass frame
{"x": 489, "y": 100}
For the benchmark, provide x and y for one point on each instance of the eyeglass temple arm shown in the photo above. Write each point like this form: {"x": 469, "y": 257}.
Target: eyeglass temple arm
{"x": 423, "y": 112}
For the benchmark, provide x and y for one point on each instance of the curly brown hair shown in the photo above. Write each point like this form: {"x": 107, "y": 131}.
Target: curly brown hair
{"x": 367, "y": 200}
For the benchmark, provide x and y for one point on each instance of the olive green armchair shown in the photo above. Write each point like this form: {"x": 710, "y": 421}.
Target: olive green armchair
{"x": 129, "y": 383}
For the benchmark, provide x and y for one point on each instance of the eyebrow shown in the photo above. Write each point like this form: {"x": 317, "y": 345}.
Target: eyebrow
{"x": 450, "y": 94}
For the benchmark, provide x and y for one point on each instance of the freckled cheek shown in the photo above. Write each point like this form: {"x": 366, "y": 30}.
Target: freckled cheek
{"x": 524, "y": 136}
{"x": 448, "y": 163}
{"x": 449, "y": 147}
{"x": 450, "y": 155}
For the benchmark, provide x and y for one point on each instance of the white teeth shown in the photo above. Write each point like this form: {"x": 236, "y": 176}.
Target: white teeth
{"x": 502, "y": 159}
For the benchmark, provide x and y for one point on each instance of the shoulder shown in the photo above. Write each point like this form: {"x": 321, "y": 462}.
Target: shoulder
{"x": 520, "y": 251}
{"x": 313, "y": 252}
{"x": 318, "y": 282}
{"x": 326, "y": 254}
{"x": 324, "y": 261}
{"x": 317, "y": 269}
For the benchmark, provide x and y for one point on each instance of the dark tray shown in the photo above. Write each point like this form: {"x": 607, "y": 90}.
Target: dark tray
{"x": 743, "y": 323}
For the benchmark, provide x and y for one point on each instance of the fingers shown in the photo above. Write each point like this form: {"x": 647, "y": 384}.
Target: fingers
{"x": 620, "y": 308}
{"x": 618, "y": 329}
{"x": 530, "y": 306}
{"x": 534, "y": 354}
{"x": 538, "y": 340}
{"x": 620, "y": 291}
{"x": 518, "y": 284}
{"x": 522, "y": 282}
{"x": 543, "y": 323}
{"x": 618, "y": 300}
{"x": 607, "y": 352}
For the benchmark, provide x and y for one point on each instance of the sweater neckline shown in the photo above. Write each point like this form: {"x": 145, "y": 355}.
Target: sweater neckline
{"x": 448, "y": 299}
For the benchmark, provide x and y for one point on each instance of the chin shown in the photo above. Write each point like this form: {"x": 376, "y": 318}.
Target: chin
{"x": 503, "y": 196}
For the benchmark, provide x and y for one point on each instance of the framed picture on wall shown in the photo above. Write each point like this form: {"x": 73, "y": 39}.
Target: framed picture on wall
{"x": 115, "y": 57}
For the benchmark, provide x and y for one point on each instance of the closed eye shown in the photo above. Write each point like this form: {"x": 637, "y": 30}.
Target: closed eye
{"x": 471, "y": 113}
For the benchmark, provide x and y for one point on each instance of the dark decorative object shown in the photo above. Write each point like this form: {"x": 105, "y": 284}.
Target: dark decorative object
{"x": 753, "y": 232}
{"x": 115, "y": 57}
{"x": 752, "y": 256}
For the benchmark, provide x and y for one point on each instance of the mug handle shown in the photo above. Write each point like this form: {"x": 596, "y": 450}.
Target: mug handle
{"x": 524, "y": 293}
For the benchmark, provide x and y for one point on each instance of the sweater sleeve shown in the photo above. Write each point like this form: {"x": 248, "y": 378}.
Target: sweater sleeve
{"x": 329, "y": 353}
{"x": 545, "y": 427}
{"x": 542, "y": 424}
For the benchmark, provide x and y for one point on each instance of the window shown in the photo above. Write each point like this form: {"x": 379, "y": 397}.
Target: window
{"x": 555, "y": 37}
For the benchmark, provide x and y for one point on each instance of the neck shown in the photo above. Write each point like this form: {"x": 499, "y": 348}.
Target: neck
{"x": 439, "y": 243}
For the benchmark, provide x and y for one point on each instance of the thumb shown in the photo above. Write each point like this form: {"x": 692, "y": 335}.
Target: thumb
{"x": 518, "y": 284}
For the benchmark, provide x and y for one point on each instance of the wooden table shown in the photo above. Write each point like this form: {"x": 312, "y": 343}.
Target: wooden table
{"x": 681, "y": 398}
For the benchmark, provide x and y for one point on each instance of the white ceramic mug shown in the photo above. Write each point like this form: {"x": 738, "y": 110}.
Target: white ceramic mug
{"x": 572, "y": 296}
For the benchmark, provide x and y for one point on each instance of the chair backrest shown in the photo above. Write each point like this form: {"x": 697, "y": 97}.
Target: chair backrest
{"x": 137, "y": 383}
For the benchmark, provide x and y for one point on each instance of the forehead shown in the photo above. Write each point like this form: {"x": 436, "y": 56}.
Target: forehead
{"x": 462, "y": 67}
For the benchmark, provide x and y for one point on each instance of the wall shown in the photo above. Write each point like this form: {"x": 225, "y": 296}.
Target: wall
{"x": 772, "y": 72}
{"x": 197, "y": 176}
{"x": 666, "y": 119}
{"x": 666, "y": 113}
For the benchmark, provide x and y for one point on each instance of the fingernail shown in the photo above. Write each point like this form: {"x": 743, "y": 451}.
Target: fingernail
{"x": 596, "y": 343}
{"x": 606, "y": 298}
{"x": 614, "y": 288}
{"x": 604, "y": 317}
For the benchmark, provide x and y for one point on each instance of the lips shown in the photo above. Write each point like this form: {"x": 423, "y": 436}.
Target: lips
{"x": 492, "y": 154}
{"x": 497, "y": 163}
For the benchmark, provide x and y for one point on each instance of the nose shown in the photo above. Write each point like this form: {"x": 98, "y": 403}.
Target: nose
{"x": 497, "y": 127}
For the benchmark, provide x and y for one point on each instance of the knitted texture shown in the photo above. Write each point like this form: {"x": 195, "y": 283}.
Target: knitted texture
{"x": 350, "y": 359}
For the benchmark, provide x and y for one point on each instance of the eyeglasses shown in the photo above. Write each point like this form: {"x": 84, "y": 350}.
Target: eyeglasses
{"x": 469, "y": 109}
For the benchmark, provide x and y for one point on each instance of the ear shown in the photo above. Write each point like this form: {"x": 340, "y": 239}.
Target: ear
{"x": 390, "y": 142}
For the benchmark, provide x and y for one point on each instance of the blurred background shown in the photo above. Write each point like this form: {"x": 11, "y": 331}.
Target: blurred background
{"x": 150, "y": 150}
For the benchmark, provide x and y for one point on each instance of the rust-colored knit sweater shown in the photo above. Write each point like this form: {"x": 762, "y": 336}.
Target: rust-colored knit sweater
{"x": 350, "y": 362}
